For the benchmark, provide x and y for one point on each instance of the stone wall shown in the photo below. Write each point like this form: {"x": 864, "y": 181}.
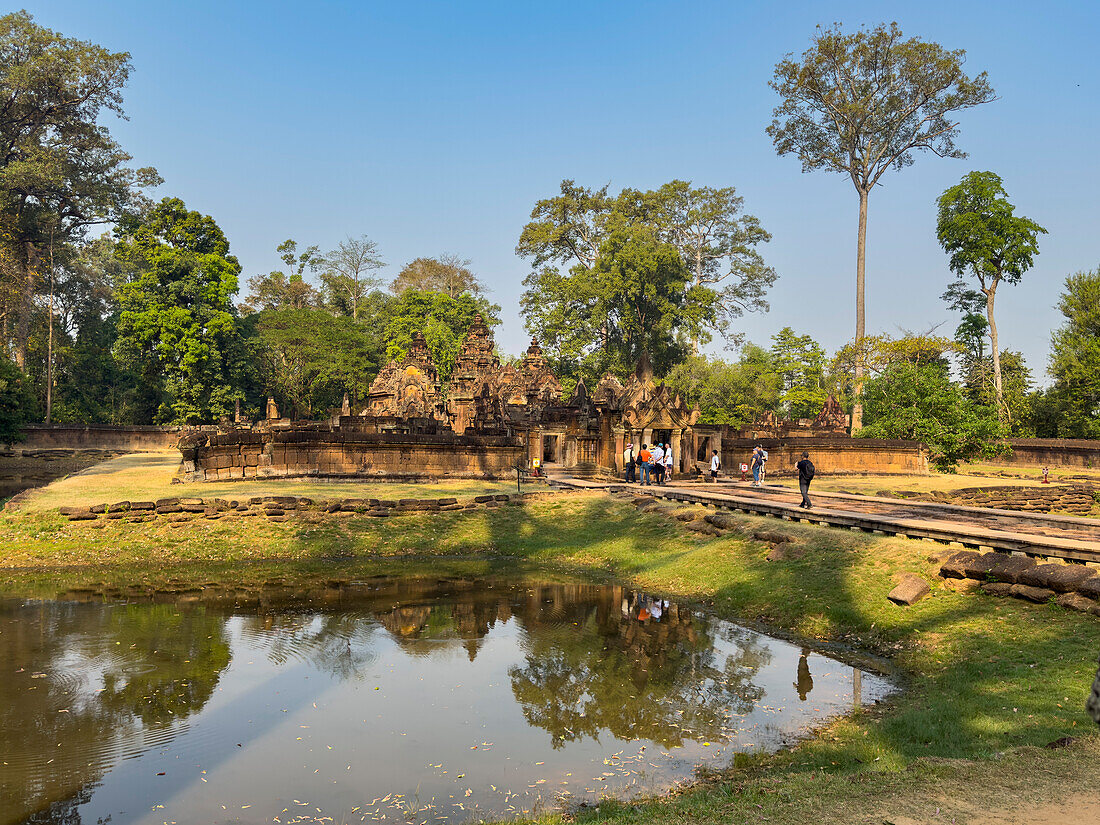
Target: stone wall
{"x": 332, "y": 454}
{"x": 1051, "y": 452}
{"x": 838, "y": 455}
{"x": 129, "y": 438}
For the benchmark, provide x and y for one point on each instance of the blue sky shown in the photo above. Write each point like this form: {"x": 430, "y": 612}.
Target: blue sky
{"x": 434, "y": 127}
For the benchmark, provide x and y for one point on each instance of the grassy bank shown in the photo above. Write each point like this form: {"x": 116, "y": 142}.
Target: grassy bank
{"x": 986, "y": 680}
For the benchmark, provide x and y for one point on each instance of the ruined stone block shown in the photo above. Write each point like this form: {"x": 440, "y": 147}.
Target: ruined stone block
{"x": 1032, "y": 594}
{"x": 997, "y": 588}
{"x": 910, "y": 590}
{"x": 1007, "y": 568}
{"x": 1062, "y": 578}
{"x": 1075, "y": 601}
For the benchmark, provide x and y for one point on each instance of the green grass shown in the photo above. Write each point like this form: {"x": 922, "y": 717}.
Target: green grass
{"x": 986, "y": 681}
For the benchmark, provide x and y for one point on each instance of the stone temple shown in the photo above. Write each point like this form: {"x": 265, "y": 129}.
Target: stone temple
{"x": 491, "y": 419}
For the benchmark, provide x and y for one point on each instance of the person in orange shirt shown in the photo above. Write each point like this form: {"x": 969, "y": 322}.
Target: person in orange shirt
{"x": 643, "y": 457}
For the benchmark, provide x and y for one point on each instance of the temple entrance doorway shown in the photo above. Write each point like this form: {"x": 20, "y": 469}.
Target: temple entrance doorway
{"x": 551, "y": 449}
{"x": 662, "y": 437}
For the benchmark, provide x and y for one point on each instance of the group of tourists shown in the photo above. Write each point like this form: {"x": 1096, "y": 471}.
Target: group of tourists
{"x": 650, "y": 465}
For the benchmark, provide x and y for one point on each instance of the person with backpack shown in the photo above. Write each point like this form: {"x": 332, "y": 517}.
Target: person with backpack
{"x": 629, "y": 463}
{"x": 643, "y": 465}
{"x": 756, "y": 464}
{"x": 805, "y": 476}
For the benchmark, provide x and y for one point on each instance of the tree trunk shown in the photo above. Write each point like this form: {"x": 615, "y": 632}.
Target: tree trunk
{"x": 861, "y": 255}
{"x": 998, "y": 389}
{"x": 26, "y": 307}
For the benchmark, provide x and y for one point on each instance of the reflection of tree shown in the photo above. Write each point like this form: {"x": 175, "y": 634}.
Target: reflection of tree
{"x": 637, "y": 679}
{"x": 336, "y": 643}
{"x": 82, "y": 680}
{"x": 173, "y": 664}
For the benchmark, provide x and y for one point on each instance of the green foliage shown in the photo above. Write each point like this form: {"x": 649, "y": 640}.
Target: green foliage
{"x": 17, "y": 403}
{"x": 310, "y": 358}
{"x": 861, "y": 102}
{"x": 1075, "y": 359}
{"x": 60, "y": 170}
{"x": 448, "y": 274}
{"x": 278, "y": 290}
{"x": 734, "y": 393}
{"x": 660, "y": 270}
{"x": 345, "y": 272}
{"x": 923, "y": 404}
{"x": 441, "y": 319}
{"x": 799, "y": 363}
{"x": 177, "y": 325}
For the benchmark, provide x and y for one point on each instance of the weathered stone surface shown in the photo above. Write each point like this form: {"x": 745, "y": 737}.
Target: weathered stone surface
{"x": 169, "y": 502}
{"x": 415, "y": 502}
{"x": 143, "y": 505}
{"x": 687, "y": 514}
{"x": 193, "y": 508}
{"x": 1008, "y": 568}
{"x": 452, "y": 507}
{"x": 997, "y": 588}
{"x": 702, "y": 527}
{"x": 379, "y": 513}
{"x": 1062, "y": 578}
{"x": 483, "y": 499}
{"x": 191, "y": 502}
{"x": 1032, "y": 594}
{"x": 962, "y": 585}
{"x": 119, "y": 507}
{"x": 910, "y": 590}
{"x": 274, "y": 512}
{"x": 82, "y": 515}
{"x": 724, "y": 521}
{"x": 979, "y": 566}
{"x": 118, "y": 514}
{"x": 98, "y": 508}
{"x": 956, "y": 565}
{"x": 163, "y": 509}
{"x": 1075, "y": 601}
{"x": 502, "y": 497}
{"x": 446, "y": 502}
{"x": 1090, "y": 587}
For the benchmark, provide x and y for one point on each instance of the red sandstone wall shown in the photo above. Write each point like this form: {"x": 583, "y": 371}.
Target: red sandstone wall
{"x": 1051, "y": 452}
{"x": 99, "y": 437}
{"x": 831, "y": 456}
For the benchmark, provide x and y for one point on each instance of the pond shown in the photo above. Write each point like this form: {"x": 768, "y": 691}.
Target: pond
{"x": 390, "y": 699}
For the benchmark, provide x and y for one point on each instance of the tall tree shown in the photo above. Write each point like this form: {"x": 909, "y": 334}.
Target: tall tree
{"x": 441, "y": 319}
{"x": 1075, "y": 358}
{"x": 799, "y": 363}
{"x": 734, "y": 393}
{"x": 715, "y": 237}
{"x": 448, "y": 274}
{"x": 177, "y": 323}
{"x": 60, "y": 170}
{"x": 16, "y": 402}
{"x": 861, "y": 103}
{"x": 977, "y": 228}
{"x": 279, "y": 290}
{"x": 346, "y": 273}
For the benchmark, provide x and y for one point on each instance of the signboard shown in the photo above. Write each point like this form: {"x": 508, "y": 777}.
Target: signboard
{"x": 744, "y": 468}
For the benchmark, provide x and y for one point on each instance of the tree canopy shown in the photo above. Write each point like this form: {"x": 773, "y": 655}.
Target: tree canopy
{"x": 441, "y": 319}
{"x": 976, "y": 226}
{"x": 862, "y": 102}
{"x": 1075, "y": 358}
{"x": 448, "y": 274}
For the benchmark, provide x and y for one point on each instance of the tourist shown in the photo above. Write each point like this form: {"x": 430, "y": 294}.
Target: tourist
{"x": 756, "y": 463}
{"x": 805, "y": 469}
{"x": 643, "y": 464}
{"x": 668, "y": 462}
{"x": 714, "y": 465}
{"x": 628, "y": 462}
{"x": 657, "y": 457}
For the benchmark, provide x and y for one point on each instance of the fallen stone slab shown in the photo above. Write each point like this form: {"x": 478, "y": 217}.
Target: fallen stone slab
{"x": 82, "y": 515}
{"x": 979, "y": 566}
{"x": 956, "y": 565}
{"x": 502, "y": 497}
{"x": 686, "y": 515}
{"x": 193, "y": 508}
{"x": 191, "y": 502}
{"x": 702, "y": 527}
{"x": 1032, "y": 594}
{"x": 274, "y": 512}
{"x": 1090, "y": 587}
{"x": 1062, "y": 578}
{"x": 910, "y": 590}
{"x": 446, "y": 502}
{"x": 1075, "y": 601}
{"x": 163, "y": 509}
{"x": 1009, "y": 568}
{"x": 98, "y": 508}
{"x": 996, "y": 588}
{"x": 483, "y": 499}
{"x": 118, "y": 507}
{"x": 412, "y": 502}
{"x": 169, "y": 502}
{"x": 452, "y": 507}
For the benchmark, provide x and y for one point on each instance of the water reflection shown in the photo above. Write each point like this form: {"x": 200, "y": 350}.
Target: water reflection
{"x": 453, "y": 699}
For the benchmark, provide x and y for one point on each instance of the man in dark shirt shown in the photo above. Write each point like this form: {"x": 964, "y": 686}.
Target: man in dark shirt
{"x": 805, "y": 476}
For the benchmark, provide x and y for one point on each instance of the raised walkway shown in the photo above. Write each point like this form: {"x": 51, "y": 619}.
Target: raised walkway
{"x": 1036, "y": 534}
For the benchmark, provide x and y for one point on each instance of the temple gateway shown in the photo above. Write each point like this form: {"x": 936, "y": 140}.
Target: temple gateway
{"x": 492, "y": 419}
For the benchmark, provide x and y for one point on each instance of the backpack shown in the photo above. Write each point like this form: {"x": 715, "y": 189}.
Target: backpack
{"x": 763, "y": 455}
{"x": 809, "y": 470}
